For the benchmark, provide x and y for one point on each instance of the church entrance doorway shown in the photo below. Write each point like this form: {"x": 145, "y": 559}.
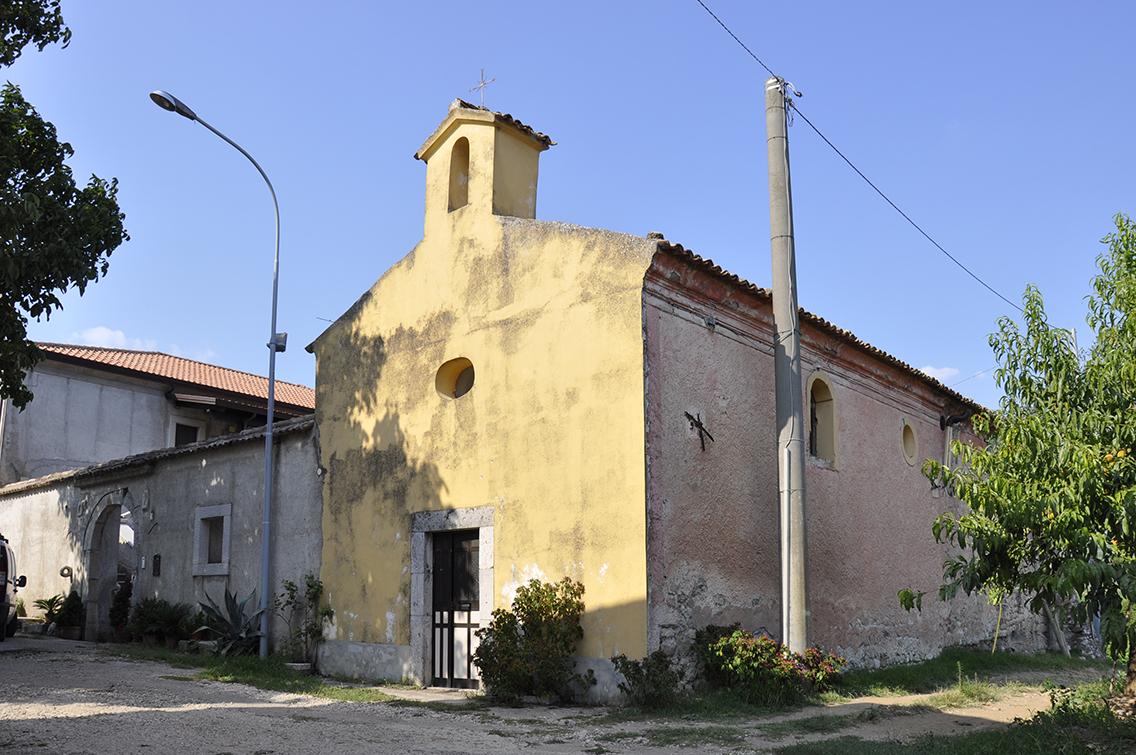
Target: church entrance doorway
{"x": 456, "y": 600}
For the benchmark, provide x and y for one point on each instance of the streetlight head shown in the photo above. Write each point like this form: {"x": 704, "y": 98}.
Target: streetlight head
{"x": 167, "y": 101}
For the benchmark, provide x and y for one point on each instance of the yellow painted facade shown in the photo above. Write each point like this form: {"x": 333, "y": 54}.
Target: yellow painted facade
{"x": 550, "y": 436}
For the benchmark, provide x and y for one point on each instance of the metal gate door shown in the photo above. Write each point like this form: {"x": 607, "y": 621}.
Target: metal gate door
{"x": 455, "y": 609}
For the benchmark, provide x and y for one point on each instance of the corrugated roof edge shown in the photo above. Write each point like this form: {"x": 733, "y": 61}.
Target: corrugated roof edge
{"x": 506, "y": 118}
{"x": 279, "y": 429}
{"x": 708, "y": 266}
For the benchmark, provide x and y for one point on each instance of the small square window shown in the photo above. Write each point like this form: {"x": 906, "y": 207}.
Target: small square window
{"x": 185, "y": 435}
{"x": 212, "y": 536}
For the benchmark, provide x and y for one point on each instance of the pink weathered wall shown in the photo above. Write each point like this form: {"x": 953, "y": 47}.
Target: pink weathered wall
{"x": 713, "y": 541}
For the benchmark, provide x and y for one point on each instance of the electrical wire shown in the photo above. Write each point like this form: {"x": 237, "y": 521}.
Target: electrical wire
{"x": 735, "y": 36}
{"x": 972, "y": 377}
{"x": 914, "y": 225}
{"x": 860, "y": 173}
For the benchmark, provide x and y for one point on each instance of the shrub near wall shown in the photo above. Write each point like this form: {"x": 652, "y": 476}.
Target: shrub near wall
{"x": 764, "y": 672}
{"x": 528, "y": 650}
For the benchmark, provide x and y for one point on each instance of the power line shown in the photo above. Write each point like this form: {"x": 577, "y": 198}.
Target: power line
{"x": 735, "y": 36}
{"x": 972, "y": 377}
{"x": 901, "y": 212}
{"x": 860, "y": 173}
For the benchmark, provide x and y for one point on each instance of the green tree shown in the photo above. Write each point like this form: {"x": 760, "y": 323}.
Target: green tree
{"x": 1051, "y": 496}
{"x": 53, "y": 235}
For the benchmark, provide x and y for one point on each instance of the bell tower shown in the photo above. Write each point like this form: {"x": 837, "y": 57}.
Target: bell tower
{"x": 479, "y": 161}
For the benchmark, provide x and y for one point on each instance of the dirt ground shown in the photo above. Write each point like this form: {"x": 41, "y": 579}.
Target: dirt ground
{"x": 75, "y": 698}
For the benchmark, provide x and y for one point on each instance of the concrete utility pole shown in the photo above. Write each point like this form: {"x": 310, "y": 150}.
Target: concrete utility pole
{"x": 787, "y": 376}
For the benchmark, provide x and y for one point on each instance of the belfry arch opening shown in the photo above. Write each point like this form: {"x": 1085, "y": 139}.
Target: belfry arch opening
{"x": 459, "y": 174}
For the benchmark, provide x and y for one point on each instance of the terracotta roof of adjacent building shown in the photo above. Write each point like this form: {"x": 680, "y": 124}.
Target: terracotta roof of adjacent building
{"x": 187, "y": 372}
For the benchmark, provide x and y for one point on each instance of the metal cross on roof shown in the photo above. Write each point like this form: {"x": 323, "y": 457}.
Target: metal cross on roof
{"x": 481, "y": 86}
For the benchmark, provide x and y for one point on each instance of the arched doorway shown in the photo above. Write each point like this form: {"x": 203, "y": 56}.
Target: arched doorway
{"x": 102, "y": 548}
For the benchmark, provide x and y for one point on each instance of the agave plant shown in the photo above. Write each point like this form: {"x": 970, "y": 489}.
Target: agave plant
{"x": 236, "y": 633}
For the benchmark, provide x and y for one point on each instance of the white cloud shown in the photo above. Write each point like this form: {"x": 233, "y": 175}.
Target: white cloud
{"x": 112, "y": 339}
{"x": 942, "y": 374}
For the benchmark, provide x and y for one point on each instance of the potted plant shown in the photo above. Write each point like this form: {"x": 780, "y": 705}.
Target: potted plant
{"x": 70, "y": 617}
{"x": 170, "y": 621}
{"x": 120, "y": 611}
{"x": 49, "y": 606}
{"x": 199, "y": 626}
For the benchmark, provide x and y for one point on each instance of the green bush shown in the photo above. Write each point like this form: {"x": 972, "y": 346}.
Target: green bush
{"x": 764, "y": 672}
{"x": 120, "y": 605}
{"x": 171, "y": 620}
{"x": 528, "y": 650}
{"x": 71, "y": 611}
{"x": 145, "y": 614}
{"x": 704, "y": 641}
{"x": 649, "y": 683}
{"x": 301, "y": 610}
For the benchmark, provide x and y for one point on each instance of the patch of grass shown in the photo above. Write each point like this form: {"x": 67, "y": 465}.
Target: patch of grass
{"x": 882, "y": 712}
{"x": 474, "y": 705}
{"x": 719, "y": 705}
{"x": 810, "y": 725}
{"x": 1079, "y": 724}
{"x": 933, "y": 675}
{"x": 269, "y": 674}
{"x": 272, "y": 674}
{"x": 617, "y": 736}
{"x": 694, "y": 736}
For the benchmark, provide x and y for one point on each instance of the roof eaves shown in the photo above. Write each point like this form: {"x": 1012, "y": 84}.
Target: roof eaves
{"x": 116, "y": 466}
{"x": 816, "y": 321}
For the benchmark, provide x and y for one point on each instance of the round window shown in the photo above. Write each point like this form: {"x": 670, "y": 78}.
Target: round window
{"x": 454, "y": 378}
{"x": 910, "y": 443}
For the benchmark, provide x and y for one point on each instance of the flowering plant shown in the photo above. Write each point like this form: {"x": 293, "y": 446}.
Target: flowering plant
{"x": 763, "y": 671}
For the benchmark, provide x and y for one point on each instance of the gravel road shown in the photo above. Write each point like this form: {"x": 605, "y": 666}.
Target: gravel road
{"x": 76, "y": 698}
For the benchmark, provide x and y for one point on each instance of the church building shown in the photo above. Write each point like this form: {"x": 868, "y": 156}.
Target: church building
{"x": 519, "y": 398}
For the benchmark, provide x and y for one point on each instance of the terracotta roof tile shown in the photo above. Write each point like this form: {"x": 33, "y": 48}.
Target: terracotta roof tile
{"x": 506, "y": 118}
{"x": 818, "y": 322}
{"x": 185, "y": 371}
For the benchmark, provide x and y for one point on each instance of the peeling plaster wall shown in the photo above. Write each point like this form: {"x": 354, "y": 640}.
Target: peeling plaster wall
{"x": 713, "y": 539}
{"x": 549, "y": 436}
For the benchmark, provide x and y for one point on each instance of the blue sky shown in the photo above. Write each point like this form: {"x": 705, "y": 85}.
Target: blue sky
{"x": 1003, "y": 129}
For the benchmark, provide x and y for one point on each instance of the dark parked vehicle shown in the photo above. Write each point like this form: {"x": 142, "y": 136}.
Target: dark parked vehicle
{"x": 9, "y": 585}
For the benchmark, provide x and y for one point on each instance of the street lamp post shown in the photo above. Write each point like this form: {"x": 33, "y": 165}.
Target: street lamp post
{"x": 277, "y": 342}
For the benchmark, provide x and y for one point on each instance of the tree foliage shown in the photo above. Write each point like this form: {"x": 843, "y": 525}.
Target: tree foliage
{"x": 53, "y": 235}
{"x": 1051, "y": 496}
{"x": 25, "y": 22}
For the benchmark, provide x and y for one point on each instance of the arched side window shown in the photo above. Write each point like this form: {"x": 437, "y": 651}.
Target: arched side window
{"x": 823, "y": 421}
{"x": 459, "y": 174}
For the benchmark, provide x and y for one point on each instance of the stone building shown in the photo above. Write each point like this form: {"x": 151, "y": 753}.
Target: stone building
{"x": 519, "y": 398}
{"x": 197, "y": 512}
